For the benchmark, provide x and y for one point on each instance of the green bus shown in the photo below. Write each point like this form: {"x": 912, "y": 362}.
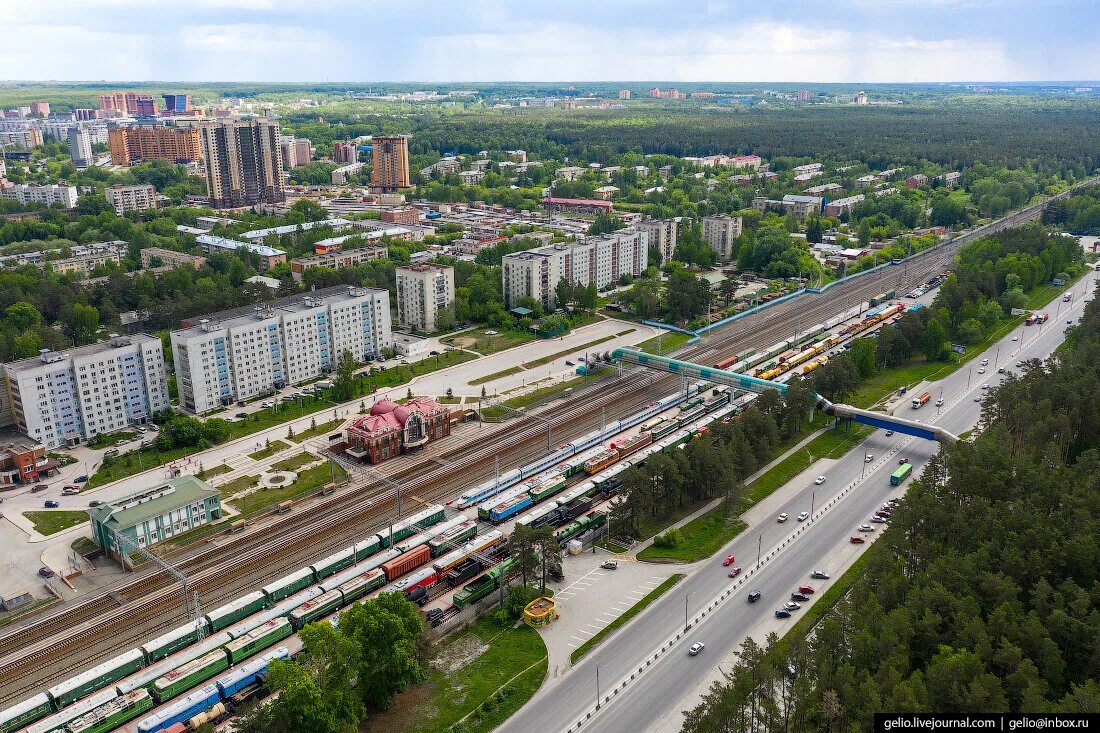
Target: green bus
{"x": 901, "y": 474}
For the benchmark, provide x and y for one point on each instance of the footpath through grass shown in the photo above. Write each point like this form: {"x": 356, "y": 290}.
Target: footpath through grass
{"x": 627, "y": 616}
{"x": 47, "y": 523}
{"x": 496, "y": 375}
{"x": 270, "y": 449}
{"x": 480, "y": 693}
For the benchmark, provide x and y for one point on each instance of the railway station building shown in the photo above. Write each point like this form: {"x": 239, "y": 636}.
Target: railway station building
{"x": 391, "y": 429}
{"x": 154, "y": 515}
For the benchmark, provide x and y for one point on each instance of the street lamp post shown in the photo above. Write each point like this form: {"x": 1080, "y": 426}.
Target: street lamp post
{"x": 598, "y": 686}
{"x": 813, "y": 495}
{"x": 686, "y": 597}
{"x": 759, "y": 546}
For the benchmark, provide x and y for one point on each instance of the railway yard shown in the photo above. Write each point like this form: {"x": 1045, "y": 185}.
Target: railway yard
{"x": 58, "y": 646}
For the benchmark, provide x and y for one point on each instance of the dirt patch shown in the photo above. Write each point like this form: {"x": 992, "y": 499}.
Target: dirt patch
{"x": 406, "y": 711}
{"x": 464, "y": 342}
{"x": 454, "y": 656}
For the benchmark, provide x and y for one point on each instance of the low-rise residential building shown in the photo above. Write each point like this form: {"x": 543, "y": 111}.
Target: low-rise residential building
{"x": 423, "y": 292}
{"x": 407, "y": 216}
{"x": 24, "y": 462}
{"x": 577, "y": 206}
{"x": 867, "y": 180}
{"x": 470, "y": 178}
{"x": 159, "y": 257}
{"x": 825, "y": 189}
{"x": 336, "y": 259}
{"x": 47, "y": 195}
{"x": 132, "y": 198}
{"x": 569, "y": 172}
{"x": 269, "y": 256}
{"x": 339, "y": 176}
{"x": 154, "y": 515}
{"x": 662, "y": 235}
{"x": 843, "y": 206}
{"x": 246, "y": 352}
{"x": 951, "y": 179}
{"x": 259, "y": 235}
{"x": 61, "y": 398}
{"x": 606, "y": 193}
{"x": 803, "y": 206}
{"x": 720, "y": 232}
{"x": 916, "y": 181}
{"x": 443, "y": 167}
{"x": 598, "y": 260}
{"x": 86, "y": 259}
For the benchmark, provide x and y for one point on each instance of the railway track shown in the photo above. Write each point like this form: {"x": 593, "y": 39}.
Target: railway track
{"x": 28, "y": 655}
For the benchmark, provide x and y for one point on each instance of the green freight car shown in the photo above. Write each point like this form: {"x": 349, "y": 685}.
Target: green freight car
{"x": 182, "y": 679}
{"x": 258, "y": 639}
{"x": 114, "y": 714}
{"x": 363, "y": 584}
{"x": 315, "y": 608}
{"x": 547, "y": 488}
{"x": 481, "y": 587}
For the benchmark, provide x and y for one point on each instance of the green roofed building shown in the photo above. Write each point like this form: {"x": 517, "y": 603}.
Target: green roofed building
{"x": 155, "y": 514}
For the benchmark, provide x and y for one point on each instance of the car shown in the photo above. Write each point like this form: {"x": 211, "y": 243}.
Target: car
{"x": 1000, "y": 370}
{"x": 70, "y": 490}
{"x": 869, "y": 457}
{"x": 799, "y": 597}
{"x": 609, "y": 564}
{"x": 985, "y": 361}
{"x": 819, "y": 480}
{"x": 878, "y": 519}
{"x": 902, "y": 461}
{"x": 433, "y": 353}
{"x": 978, "y": 398}
{"x": 782, "y": 518}
{"x": 1015, "y": 338}
{"x": 792, "y": 606}
{"x": 889, "y": 433}
{"x": 110, "y": 453}
{"x": 696, "y": 648}
{"x": 754, "y": 596}
{"x": 80, "y": 479}
{"x": 569, "y": 363}
{"x": 939, "y": 402}
{"x": 45, "y": 572}
{"x": 241, "y": 415}
{"x": 298, "y": 395}
{"x": 981, "y": 370}
{"x": 985, "y": 386}
{"x": 267, "y": 403}
{"x": 146, "y": 444}
{"x": 404, "y": 362}
{"x": 865, "y": 528}
{"x": 856, "y": 540}
{"x": 51, "y": 504}
{"x": 240, "y": 403}
{"x": 819, "y": 575}
{"x": 728, "y": 561}
{"x": 782, "y": 613}
{"x": 1069, "y": 320}
{"x": 803, "y": 516}
{"x": 735, "y": 571}
{"x": 807, "y": 589}
{"x": 94, "y": 502}
{"x": 39, "y": 487}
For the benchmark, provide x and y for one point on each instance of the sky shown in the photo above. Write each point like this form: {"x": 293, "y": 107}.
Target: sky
{"x": 837, "y": 41}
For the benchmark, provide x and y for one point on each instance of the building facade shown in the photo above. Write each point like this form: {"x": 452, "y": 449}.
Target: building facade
{"x": 80, "y": 146}
{"x": 48, "y": 195}
{"x": 345, "y": 152}
{"x": 336, "y": 259}
{"x": 407, "y": 216}
{"x": 720, "y": 232}
{"x": 177, "y": 104}
{"x": 158, "y": 257}
{"x": 40, "y": 109}
{"x": 27, "y": 138}
{"x": 423, "y": 292}
{"x": 391, "y": 429}
{"x": 242, "y": 162}
{"x": 132, "y": 198}
{"x": 269, "y": 256}
{"x": 391, "y": 163}
{"x": 662, "y": 234}
{"x": 248, "y": 352}
{"x": 133, "y": 145}
{"x": 85, "y": 262}
{"x": 24, "y": 462}
{"x": 154, "y": 515}
{"x": 597, "y": 260}
{"x": 63, "y": 398}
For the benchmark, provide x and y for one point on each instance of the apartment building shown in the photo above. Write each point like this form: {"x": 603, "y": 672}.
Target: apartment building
{"x": 407, "y": 216}
{"x": 132, "y": 198}
{"x": 599, "y": 260}
{"x": 242, "y": 162}
{"x": 84, "y": 262}
{"x": 336, "y": 260}
{"x": 294, "y": 151}
{"x": 133, "y": 145}
{"x": 80, "y": 147}
{"x": 159, "y": 257}
{"x": 269, "y": 256}
{"x": 803, "y": 206}
{"x": 720, "y": 232}
{"x": 27, "y": 138}
{"x": 177, "y": 104}
{"x": 48, "y": 195}
{"x": 339, "y": 176}
{"x": 662, "y": 234}
{"x": 63, "y": 398}
{"x": 345, "y": 152}
{"x": 391, "y": 162}
{"x": 843, "y": 206}
{"x": 247, "y": 352}
{"x": 40, "y": 109}
{"x": 423, "y": 291}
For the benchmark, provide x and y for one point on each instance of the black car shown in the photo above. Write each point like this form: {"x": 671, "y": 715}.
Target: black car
{"x": 241, "y": 415}
{"x": 80, "y": 479}
{"x": 782, "y": 613}
{"x": 754, "y": 596}
{"x": 94, "y": 502}
{"x": 799, "y": 597}
{"x": 45, "y": 572}
{"x": 51, "y": 504}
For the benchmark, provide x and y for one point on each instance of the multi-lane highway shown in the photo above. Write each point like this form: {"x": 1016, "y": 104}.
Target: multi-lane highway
{"x": 655, "y": 699}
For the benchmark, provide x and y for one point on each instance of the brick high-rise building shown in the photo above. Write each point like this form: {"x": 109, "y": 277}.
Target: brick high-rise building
{"x": 243, "y": 164}
{"x": 391, "y": 162}
{"x": 131, "y": 103}
{"x": 132, "y": 145}
{"x": 344, "y": 152}
{"x": 177, "y": 104}
{"x": 40, "y": 109}
{"x": 113, "y": 101}
{"x": 145, "y": 107}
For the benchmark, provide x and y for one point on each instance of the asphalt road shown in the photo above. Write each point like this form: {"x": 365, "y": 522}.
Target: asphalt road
{"x": 644, "y": 702}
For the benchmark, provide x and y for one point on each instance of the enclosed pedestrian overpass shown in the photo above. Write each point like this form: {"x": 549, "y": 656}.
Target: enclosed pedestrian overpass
{"x": 748, "y": 383}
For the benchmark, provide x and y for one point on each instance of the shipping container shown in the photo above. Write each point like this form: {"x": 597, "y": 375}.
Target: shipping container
{"x": 189, "y": 675}
{"x": 258, "y": 639}
{"x": 408, "y": 561}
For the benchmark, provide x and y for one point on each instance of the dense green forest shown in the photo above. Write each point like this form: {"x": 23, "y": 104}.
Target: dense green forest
{"x": 982, "y": 596}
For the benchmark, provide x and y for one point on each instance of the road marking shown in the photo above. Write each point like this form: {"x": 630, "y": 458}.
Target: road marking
{"x": 576, "y": 637}
{"x": 595, "y": 626}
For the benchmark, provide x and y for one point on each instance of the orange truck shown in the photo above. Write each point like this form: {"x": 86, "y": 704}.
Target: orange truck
{"x": 918, "y": 402}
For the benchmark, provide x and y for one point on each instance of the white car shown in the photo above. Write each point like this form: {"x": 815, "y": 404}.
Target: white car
{"x": 696, "y": 648}
{"x": 782, "y": 518}
{"x": 1015, "y": 338}
{"x": 878, "y": 520}
{"x": 869, "y": 457}
{"x": 985, "y": 361}
{"x": 267, "y": 403}
{"x": 981, "y": 370}
{"x": 803, "y": 516}
{"x": 819, "y": 480}
{"x": 865, "y": 528}
{"x": 791, "y": 606}
{"x": 985, "y": 386}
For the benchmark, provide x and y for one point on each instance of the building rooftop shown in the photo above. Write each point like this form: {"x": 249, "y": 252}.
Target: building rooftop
{"x": 792, "y": 198}
{"x": 154, "y": 502}
{"x": 47, "y": 357}
{"x": 226, "y": 243}
{"x": 291, "y": 228}
{"x": 288, "y": 305}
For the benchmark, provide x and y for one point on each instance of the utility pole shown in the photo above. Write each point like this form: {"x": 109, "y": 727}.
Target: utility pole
{"x": 686, "y": 597}
{"x": 759, "y": 546}
{"x": 598, "y": 686}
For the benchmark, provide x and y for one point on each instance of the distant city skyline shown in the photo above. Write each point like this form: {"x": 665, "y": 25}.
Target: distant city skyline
{"x": 846, "y": 41}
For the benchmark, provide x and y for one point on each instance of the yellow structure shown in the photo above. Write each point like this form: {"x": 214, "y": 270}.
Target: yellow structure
{"x": 540, "y": 612}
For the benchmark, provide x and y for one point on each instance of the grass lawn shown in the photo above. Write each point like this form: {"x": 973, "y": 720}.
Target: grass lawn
{"x": 84, "y": 546}
{"x": 215, "y": 471}
{"x": 703, "y": 536}
{"x": 481, "y": 342}
{"x": 400, "y": 374}
{"x": 47, "y": 523}
{"x": 831, "y": 444}
{"x": 543, "y": 394}
{"x": 113, "y": 469}
{"x": 667, "y": 342}
{"x": 309, "y": 480}
{"x": 629, "y": 614}
{"x": 269, "y": 450}
{"x": 497, "y": 375}
{"x": 295, "y": 461}
{"x": 566, "y": 352}
{"x": 481, "y": 693}
{"x": 238, "y": 484}
{"x": 320, "y": 429}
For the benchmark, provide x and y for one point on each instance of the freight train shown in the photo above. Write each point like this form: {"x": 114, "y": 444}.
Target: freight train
{"x": 872, "y": 318}
{"x": 790, "y": 360}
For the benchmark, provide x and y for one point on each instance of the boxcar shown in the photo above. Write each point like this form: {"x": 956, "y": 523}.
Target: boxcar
{"x": 181, "y": 710}
{"x": 189, "y": 675}
{"x": 231, "y": 613}
{"x": 96, "y": 678}
{"x": 410, "y": 560}
{"x": 258, "y": 639}
{"x": 113, "y": 714}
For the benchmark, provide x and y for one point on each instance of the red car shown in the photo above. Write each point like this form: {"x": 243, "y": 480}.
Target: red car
{"x": 856, "y": 539}
{"x": 728, "y": 561}
{"x": 735, "y": 571}
{"x": 805, "y": 589}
